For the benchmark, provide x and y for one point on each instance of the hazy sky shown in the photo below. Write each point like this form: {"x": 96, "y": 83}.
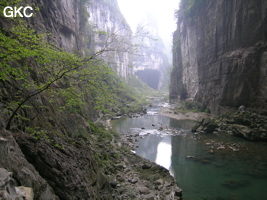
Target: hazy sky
{"x": 163, "y": 10}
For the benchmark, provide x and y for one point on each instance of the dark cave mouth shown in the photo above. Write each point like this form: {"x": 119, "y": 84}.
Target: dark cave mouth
{"x": 149, "y": 76}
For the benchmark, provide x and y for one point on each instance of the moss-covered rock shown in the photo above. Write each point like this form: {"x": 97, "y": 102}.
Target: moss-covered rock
{"x": 248, "y": 125}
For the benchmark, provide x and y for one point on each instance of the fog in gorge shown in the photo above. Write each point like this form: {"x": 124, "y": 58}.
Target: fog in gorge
{"x": 157, "y": 18}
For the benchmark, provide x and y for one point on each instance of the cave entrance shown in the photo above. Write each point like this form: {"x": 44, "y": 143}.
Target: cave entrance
{"x": 149, "y": 76}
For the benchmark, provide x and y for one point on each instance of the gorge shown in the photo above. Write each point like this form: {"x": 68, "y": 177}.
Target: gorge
{"x": 76, "y": 67}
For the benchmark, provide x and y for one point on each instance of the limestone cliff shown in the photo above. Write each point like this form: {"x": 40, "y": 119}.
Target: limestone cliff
{"x": 58, "y": 151}
{"x": 151, "y": 63}
{"x": 219, "y": 53}
{"x": 62, "y": 19}
{"x": 34, "y": 161}
{"x": 87, "y": 25}
{"x": 111, "y": 32}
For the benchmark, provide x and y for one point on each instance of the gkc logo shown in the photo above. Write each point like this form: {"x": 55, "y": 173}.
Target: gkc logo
{"x": 26, "y": 11}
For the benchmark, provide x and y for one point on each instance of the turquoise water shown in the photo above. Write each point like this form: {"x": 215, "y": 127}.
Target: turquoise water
{"x": 210, "y": 167}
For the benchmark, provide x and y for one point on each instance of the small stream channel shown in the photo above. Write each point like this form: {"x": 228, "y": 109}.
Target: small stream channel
{"x": 205, "y": 166}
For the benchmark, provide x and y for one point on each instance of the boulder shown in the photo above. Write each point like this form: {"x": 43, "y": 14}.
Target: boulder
{"x": 8, "y": 191}
{"x": 207, "y": 125}
{"x": 26, "y": 191}
{"x": 246, "y": 132}
{"x": 12, "y": 159}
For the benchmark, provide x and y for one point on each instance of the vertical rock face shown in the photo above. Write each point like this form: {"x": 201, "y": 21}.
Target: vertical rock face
{"x": 60, "y": 18}
{"x": 67, "y": 23}
{"x": 151, "y": 63}
{"x": 112, "y": 33}
{"x": 87, "y": 25}
{"x": 219, "y": 52}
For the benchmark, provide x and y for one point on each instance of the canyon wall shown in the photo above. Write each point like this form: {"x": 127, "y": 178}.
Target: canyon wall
{"x": 54, "y": 171}
{"x": 110, "y": 32}
{"x": 150, "y": 64}
{"x": 219, "y": 54}
{"x": 87, "y": 25}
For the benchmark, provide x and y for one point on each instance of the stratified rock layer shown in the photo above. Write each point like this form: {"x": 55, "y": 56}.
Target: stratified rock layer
{"x": 219, "y": 52}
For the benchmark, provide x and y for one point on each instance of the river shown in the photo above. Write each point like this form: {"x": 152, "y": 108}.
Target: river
{"x": 205, "y": 166}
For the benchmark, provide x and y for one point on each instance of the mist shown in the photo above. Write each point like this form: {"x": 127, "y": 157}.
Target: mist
{"x": 162, "y": 11}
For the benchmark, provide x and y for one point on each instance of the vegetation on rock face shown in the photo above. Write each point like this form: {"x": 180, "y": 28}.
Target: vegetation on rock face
{"x": 46, "y": 96}
{"x": 34, "y": 66}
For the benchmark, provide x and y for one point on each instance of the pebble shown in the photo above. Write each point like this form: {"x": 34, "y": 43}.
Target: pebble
{"x": 146, "y": 166}
{"x": 133, "y": 180}
{"x": 220, "y": 147}
{"x": 143, "y": 190}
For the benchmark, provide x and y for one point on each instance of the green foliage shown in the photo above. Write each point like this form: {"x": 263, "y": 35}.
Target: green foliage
{"x": 41, "y": 134}
{"x": 102, "y": 32}
{"x": 151, "y": 175}
{"x": 27, "y": 59}
{"x": 4, "y": 3}
{"x": 34, "y": 66}
{"x": 84, "y": 14}
{"x": 140, "y": 89}
{"x": 59, "y": 146}
{"x": 37, "y": 66}
{"x": 101, "y": 133}
{"x": 128, "y": 97}
{"x": 38, "y": 133}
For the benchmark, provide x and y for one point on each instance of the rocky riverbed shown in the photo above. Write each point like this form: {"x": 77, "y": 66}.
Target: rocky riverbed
{"x": 138, "y": 178}
{"x": 83, "y": 168}
{"x": 246, "y": 124}
{"x": 171, "y": 112}
{"x": 170, "y": 143}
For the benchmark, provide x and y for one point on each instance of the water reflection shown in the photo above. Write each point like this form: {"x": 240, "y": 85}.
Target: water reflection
{"x": 202, "y": 175}
{"x": 157, "y": 149}
{"x": 133, "y": 125}
{"x": 164, "y": 153}
{"x": 182, "y": 124}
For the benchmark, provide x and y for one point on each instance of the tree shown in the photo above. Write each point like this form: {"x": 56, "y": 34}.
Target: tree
{"x": 37, "y": 66}
{"x": 29, "y": 60}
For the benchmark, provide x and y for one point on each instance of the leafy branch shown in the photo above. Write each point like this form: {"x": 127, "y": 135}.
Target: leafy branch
{"x": 28, "y": 60}
{"x": 25, "y": 54}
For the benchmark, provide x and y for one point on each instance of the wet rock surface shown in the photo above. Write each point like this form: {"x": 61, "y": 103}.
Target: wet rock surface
{"x": 246, "y": 124}
{"x": 231, "y": 158}
{"x": 146, "y": 180}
